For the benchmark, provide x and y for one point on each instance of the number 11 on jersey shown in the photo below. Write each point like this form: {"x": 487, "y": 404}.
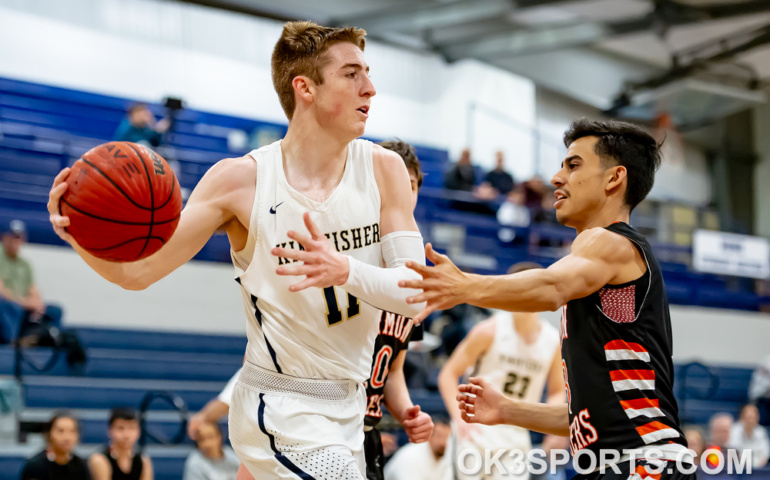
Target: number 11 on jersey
{"x": 333, "y": 312}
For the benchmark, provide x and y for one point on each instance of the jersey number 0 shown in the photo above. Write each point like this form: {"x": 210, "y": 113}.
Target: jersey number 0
{"x": 333, "y": 312}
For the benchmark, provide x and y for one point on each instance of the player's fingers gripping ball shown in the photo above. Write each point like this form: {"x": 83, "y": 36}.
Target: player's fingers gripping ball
{"x": 123, "y": 201}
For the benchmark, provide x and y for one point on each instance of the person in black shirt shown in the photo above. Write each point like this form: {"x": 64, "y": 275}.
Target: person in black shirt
{"x": 57, "y": 462}
{"x": 119, "y": 460}
{"x": 616, "y": 327}
{"x": 387, "y": 380}
{"x": 498, "y": 178}
{"x": 461, "y": 176}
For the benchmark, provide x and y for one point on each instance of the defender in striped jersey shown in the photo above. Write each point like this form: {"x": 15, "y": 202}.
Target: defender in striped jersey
{"x": 616, "y": 329}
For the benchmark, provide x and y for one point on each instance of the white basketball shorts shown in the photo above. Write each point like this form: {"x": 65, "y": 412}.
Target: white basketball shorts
{"x": 289, "y": 427}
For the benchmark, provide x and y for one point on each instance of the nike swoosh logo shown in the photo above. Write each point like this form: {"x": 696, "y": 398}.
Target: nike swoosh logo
{"x": 272, "y": 209}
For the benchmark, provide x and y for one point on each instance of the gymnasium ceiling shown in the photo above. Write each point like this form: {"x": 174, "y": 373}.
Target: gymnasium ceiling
{"x": 589, "y": 50}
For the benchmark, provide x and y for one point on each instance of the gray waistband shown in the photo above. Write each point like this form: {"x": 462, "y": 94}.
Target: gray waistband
{"x": 317, "y": 389}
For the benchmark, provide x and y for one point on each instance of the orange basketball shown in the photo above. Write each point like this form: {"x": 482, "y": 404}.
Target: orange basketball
{"x": 123, "y": 201}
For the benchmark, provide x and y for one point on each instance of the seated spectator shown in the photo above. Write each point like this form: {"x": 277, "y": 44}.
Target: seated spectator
{"x": 512, "y": 213}
{"x": 423, "y": 461}
{"x": 696, "y": 441}
{"x": 119, "y": 460}
{"x": 21, "y": 307}
{"x": 498, "y": 178}
{"x": 139, "y": 126}
{"x": 57, "y": 461}
{"x": 210, "y": 461}
{"x": 461, "y": 176}
{"x": 720, "y": 426}
{"x": 748, "y": 434}
{"x": 534, "y": 190}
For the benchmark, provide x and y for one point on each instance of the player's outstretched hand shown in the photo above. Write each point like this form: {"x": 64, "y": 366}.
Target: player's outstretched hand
{"x": 322, "y": 265}
{"x": 442, "y": 285}
{"x": 480, "y": 402}
{"x": 418, "y": 424}
{"x": 59, "y": 221}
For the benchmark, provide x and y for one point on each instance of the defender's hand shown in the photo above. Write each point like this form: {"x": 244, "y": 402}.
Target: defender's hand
{"x": 480, "y": 402}
{"x": 442, "y": 285}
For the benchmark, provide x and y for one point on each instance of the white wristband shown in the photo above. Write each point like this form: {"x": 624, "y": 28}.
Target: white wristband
{"x": 378, "y": 286}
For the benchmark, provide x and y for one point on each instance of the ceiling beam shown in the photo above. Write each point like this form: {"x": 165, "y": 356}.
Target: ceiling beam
{"x": 527, "y": 42}
{"x": 416, "y": 18}
{"x": 667, "y": 14}
{"x": 701, "y": 57}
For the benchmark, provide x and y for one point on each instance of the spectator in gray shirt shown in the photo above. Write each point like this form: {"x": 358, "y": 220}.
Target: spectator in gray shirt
{"x": 210, "y": 461}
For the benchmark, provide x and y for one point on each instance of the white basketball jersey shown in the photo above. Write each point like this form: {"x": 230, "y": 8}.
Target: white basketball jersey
{"x": 519, "y": 370}
{"x": 314, "y": 333}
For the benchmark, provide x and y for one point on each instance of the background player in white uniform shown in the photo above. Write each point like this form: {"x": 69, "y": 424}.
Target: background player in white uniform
{"x": 519, "y": 353}
{"x": 298, "y": 408}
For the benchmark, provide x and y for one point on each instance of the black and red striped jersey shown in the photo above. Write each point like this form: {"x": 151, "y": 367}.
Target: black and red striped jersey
{"x": 618, "y": 367}
{"x": 393, "y": 336}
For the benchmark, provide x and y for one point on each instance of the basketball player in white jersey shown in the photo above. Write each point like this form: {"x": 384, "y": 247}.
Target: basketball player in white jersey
{"x": 518, "y": 353}
{"x": 298, "y": 407}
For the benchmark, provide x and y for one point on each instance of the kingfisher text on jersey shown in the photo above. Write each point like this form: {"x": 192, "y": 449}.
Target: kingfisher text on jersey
{"x": 315, "y": 333}
{"x": 618, "y": 368}
{"x": 343, "y": 240}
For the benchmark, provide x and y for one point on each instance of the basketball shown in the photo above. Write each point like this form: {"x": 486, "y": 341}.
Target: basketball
{"x": 123, "y": 201}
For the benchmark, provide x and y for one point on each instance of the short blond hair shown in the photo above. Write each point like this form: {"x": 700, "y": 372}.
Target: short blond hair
{"x": 301, "y": 51}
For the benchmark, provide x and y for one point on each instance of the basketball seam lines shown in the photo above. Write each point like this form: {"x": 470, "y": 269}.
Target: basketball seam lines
{"x": 152, "y": 199}
{"x": 147, "y": 239}
{"x": 170, "y": 196}
{"x": 122, "y": 222}
{"x": 117, "y": 187}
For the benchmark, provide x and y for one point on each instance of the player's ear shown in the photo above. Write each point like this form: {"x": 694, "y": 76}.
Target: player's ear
{"x": 304, "y": 88}
{"x": 616, "y": 176}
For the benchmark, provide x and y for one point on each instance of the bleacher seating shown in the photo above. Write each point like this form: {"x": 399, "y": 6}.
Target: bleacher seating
{"x": 44, "y": 128}
{"x": 122, "y": 367}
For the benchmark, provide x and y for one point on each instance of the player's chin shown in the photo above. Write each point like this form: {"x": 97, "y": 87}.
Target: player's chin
{"x": 358, "y": 128}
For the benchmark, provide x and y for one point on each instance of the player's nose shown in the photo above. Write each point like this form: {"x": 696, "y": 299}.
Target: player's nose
{"x": 368, "y": 89}
{"x": 558, "y": 179}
